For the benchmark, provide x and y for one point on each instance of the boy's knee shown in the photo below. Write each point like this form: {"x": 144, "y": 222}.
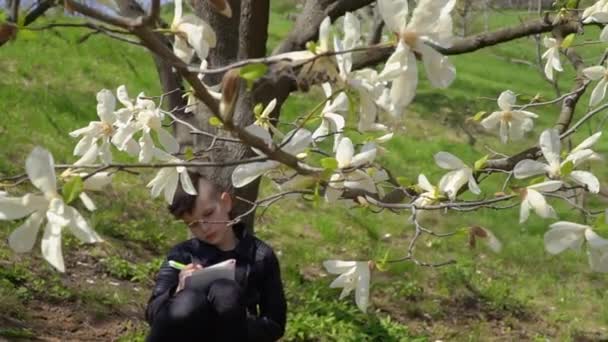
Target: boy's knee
{"x": 225, "y": 295}
{"x": 185, "y": 305}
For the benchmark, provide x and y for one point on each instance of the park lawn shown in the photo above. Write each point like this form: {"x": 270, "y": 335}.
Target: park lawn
{"x": 520, "y": 293}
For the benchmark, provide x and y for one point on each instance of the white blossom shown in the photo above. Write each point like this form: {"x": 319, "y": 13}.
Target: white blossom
{"x": 459, "y": 175}
{"x": 595, "y": 73}
{"x": 96, "y": 182}
{"x": 551, "y": 146}
{"x": 263, "y": 120}
{"x": 431, "y": 22}
{"x": 347, "y": 176}
{"x": 331, "y": 121}
{"x": 40, "y": 169}
{"x": 364, "y": 81}
{"x": 352, "y": 275}
{"x": 192, "y": 35}
{"x": 552, "y": 57}
{"x": 142, "y": 116}
{"x": 533, "y": 199}
{"x": 511, "y": 123}
{"x": 293, "y": 143}
{"x": 168, "y": 178}
{"x": 568, "y": 235}
{"x": 598, "y": 13}
{"x": 96, "y": 137}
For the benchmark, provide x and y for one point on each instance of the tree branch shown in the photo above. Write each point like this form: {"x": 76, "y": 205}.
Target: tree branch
{"x": 307, "y": 24}
{"x": 482, "y": 40}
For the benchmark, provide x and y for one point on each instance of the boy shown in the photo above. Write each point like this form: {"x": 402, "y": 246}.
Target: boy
{"x": 250, "y": 308}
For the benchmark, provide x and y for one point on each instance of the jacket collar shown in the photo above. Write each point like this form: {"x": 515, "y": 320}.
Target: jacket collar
{"x": 244, "y": 247}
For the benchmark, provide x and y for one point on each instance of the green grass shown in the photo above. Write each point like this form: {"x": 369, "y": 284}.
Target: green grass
{"x": 50, "y": 88}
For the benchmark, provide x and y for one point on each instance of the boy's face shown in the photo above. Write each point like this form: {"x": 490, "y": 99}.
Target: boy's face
{"x": 209, "y": 217}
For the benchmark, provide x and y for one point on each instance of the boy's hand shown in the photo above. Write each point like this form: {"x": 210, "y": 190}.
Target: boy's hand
{"x": 184, "y": 274}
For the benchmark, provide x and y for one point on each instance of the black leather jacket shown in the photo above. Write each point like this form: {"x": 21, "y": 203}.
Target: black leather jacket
{"x": 257, "y": 271}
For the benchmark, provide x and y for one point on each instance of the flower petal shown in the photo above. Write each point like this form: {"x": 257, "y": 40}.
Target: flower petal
{"x": 492, "y": 120}
{"x": 588, "y": 142}
{"x": 168, "y": 141}
{"x": 587, "y": 179}
{"x": 159, "y": 182}
{"x": 439, "y": 70}
{"x": 13, "y": 208}
{"x": 40, "y": 169}
{"x": 171, "y": 185}
{"x": 550, "y": 145}
{"x": 366, "y": 156}
{"x": 51, "y": 246}
{"x": 598, "y": 93}
{"x": 87, "y": 201}
{"x": 123, "y": 96}
{"x": 595, "y": 72}
{"x": 540, "y": 205}
{"x": 360, "y": 180}
{"x": 424, "y": 183}
{"x": 547, "y": 186}
{"x": 299, "y": 140}
{"x": 81, "y": 228}
{"x": 146, "y": 148}
{"x": 345, "y": 152}
{"x": 403, "y": 88}
{"x": 187, "y": 183}
{"x": 452, "y": 181}
{"x": 106, "y": 103}
{"x": 97, "y": 181}
{"x": 362, "y": 289}
{"x": 245, "y": 174}
{"x": 506, "y": 100}
{"x": 564, "y": 235}
{"x": 524, "y": 211}
{"x": 338, "y": 266}
{"x": 23, "y": 238}
{"x": 448, "y": 161}
{"x": 528, "y": 168}
{"x": 89, "y": 157}
{"x": 394, "y": 13}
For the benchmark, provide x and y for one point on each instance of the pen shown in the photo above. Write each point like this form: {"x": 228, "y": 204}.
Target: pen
{"x": 176, "y": 265}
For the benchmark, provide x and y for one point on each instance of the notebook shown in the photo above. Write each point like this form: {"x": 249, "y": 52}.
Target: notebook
{"x": 221, "y": 270}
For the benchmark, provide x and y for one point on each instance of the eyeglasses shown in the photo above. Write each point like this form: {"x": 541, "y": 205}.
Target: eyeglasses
{"x": 197, "y": 222}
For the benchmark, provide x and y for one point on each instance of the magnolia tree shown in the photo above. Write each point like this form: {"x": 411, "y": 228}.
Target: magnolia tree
{"x": 222, "y": 94}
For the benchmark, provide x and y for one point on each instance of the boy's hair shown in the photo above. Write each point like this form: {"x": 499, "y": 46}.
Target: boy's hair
{"x": 183, "y": 202}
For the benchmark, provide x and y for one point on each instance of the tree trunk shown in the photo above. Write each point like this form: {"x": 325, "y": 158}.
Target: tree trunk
{"x": 242, "y": 36}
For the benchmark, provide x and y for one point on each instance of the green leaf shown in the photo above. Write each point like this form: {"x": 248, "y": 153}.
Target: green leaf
{"x": 311, "y": 46}
{"x": 316, "y": 199}
{"x": 572, "y": 4}
{"x": 188, "y": 153}
{"x": 537, "y": 180}
{"x": 481, "y": 163}
{"x": 252, "y": 72}
{"x": 215, "y": 122}
{"x": 601, "y": 224}
{"x": 567, "y": 168}
{"x": 477, "y": 117}
{"x": 568, "y": 41}
{"x": 404, "y": 181}
{"x": 2, "y": 16}
{"x": 382, "y": 263}
{"x": 72, "y": 189}
{"x": 329, "y": 163}
{"x": 258, "y": 109}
